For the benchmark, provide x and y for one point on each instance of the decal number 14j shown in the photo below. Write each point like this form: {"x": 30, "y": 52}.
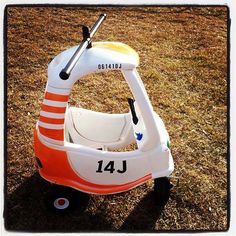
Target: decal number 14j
{"x": 111, "y": 167}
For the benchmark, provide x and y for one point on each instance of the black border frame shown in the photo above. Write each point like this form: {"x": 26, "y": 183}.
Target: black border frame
{"x": 5, "y": 86}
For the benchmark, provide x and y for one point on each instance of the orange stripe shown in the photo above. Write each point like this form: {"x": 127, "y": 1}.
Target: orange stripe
{"x": 51, "y": 120}
{"x": 53, "y": 109}
{"x": 56, "y": 97}
{"x": 57, "y": 134}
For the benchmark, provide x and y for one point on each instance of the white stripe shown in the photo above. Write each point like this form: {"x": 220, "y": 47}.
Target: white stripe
{"x": 50, "y": 126}
{"x": 58, "y": 91}
{"x": 54, "y": 103}
{"x": 52, "y": 115}
{"x": 50, "y": 140}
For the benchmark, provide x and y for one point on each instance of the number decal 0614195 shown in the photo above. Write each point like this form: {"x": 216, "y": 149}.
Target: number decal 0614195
{"x": 109, "y": 66}
{"x": 110, "y": 166}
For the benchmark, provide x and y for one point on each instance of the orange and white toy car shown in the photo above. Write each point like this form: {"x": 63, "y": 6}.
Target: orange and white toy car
{"x": 74, "y": 146}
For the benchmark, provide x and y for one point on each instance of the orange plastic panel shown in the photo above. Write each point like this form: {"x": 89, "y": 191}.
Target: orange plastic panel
{"x": 57, "y": 134}
{"x": 57, "y": 169}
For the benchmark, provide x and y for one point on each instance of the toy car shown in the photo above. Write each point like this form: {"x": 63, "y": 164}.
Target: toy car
{"x": 74, "y": 147}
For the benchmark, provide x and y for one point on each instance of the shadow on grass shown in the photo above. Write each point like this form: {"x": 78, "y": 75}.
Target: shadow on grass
{"x": 25, "y": 211}
{"x": 144, "y": 216}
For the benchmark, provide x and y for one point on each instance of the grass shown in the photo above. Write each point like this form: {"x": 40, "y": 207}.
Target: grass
{"x": 183, "y": 64}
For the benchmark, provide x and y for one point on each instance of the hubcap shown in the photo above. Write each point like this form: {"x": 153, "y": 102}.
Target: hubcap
{"x": 61, "y": 203}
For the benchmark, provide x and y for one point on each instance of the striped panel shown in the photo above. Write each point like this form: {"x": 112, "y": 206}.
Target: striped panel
{"x": 52, "y": 114}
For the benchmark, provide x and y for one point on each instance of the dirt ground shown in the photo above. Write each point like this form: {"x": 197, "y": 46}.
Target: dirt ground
{"x": 183, "y": 64}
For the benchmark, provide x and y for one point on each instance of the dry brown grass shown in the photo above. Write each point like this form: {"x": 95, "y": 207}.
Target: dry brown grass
{"x": 183, "y": 54}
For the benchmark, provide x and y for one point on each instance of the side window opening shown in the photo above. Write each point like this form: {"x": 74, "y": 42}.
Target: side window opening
{"x": 105, "y": 92}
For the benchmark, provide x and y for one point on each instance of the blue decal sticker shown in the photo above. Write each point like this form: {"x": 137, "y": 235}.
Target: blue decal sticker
{"x": 139, "y": 136}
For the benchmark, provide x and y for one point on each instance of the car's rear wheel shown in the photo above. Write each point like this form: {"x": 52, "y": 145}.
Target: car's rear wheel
{"x": 162, "y": 188}
{"x": 61, "y": 199}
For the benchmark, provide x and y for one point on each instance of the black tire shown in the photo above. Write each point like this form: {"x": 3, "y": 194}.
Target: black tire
{"x": 162, "y": 188}
{"x": 62, "y": 200}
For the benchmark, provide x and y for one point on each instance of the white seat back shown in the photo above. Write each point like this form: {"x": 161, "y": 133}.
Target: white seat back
{"x": 97, "y": 129}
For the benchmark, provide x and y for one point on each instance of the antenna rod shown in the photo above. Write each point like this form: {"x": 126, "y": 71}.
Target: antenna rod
{"x": 65, "y": 73}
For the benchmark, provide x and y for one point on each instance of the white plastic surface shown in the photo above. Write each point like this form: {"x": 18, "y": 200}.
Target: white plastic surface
{"x": 99, "y": 130}
{"x": 98, "y": 127}
{"x": 104, "y": 55}
{"x": 92, "y": 130}
{"x": 84, "y": 161}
